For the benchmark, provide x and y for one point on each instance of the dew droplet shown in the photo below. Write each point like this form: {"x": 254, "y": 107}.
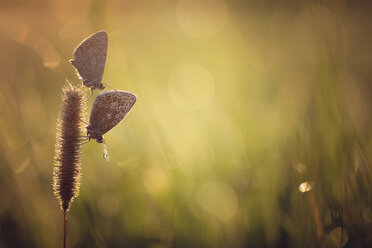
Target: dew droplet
{"x": 105, "y": 153}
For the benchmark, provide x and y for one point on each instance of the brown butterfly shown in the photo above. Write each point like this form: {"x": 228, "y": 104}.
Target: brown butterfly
{"x": 108, "y": 110}
{"x": 90, "y": 59}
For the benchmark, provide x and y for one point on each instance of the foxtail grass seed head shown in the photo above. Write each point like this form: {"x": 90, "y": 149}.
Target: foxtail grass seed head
{"x": 70, "y": 130}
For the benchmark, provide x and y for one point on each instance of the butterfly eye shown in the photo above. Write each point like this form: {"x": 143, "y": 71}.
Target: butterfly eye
{"x": 117, "y": 116}
{"x": 117, "y": 108}
{"x": 106, "y": 105}
{"x": 114, "y": 122}
{"x": 109, "y": 116}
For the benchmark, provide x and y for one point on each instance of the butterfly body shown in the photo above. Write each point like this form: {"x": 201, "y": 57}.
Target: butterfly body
{"x": 108, "y": 110}
{"x": 90, "y": 59}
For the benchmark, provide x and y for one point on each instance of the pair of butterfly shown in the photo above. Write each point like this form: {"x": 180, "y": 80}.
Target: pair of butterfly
{"x": 110, "y": 107}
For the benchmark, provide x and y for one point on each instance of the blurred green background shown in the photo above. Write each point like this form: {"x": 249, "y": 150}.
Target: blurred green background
{"x": 239, "y": 102}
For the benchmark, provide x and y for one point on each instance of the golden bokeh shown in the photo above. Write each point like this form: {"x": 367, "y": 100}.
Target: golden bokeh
{"x": 252, "y": 118}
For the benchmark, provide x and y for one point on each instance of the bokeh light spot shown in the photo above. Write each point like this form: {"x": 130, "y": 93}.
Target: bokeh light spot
{"x": 219, "y": 199}
{"x": 301, "y": 168}
{"x": 32, "y": 38}
{"x": 202, "y": 19}
{"x": 305, "y": 187}
{"x": 191, "y": 86}
{"x": 156, "y": 181}
{"x": 51, "y": 58}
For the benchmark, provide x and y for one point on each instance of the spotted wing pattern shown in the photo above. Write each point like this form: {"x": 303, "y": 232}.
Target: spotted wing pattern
{"x": 90, "y": 59}
{"x": 109, "y": 109}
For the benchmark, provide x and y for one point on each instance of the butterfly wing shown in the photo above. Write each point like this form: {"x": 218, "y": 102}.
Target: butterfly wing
{"x": 109, "y": 109}
{"x": 90, "y": 58}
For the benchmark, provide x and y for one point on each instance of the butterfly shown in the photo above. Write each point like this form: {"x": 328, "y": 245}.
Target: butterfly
{"x": 109, "y": 108}
{"x": 90, "y": 59}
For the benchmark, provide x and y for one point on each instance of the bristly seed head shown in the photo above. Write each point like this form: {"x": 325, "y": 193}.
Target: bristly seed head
{"x": 70, "y": 130}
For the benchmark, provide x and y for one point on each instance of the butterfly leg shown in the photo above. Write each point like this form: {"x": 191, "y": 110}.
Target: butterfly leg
{"x": 83, "y": 121}
{"x": 91, "y": 90}
{"x": 108, "y": 86}
{"x": 86, "y": 142}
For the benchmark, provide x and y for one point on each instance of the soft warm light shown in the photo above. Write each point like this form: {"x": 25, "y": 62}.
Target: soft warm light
{"x": 191, "y": 86}
{"x": 156, "y": 181}
{"x": 219, "y": 199}
{"x": 202, "y": 18}
{"x": 23, "y": 34}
